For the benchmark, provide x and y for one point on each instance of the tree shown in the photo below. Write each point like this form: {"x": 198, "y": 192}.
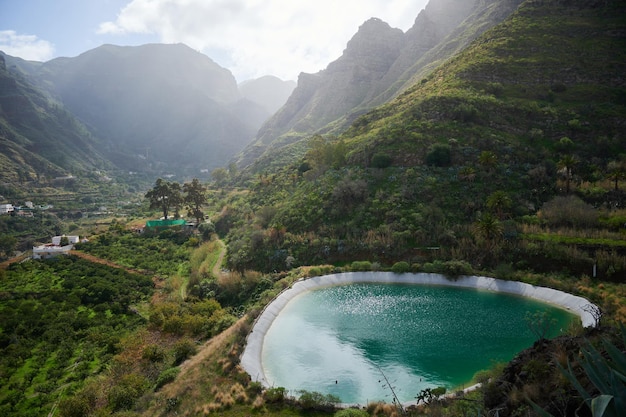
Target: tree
{"x": 219, "y": 175}
{"x": 439, "y": 154}
{"x": 488, "y": 228}
{"x": 7, "y": 244}
{"x": 566, "y": 165}
{"x": 195, "y": 198}
{"x": 165, "y": 196}
{"x": 499, "y": 202}
{"x": 488, "y": 160}
{"x": 616, "y": 171}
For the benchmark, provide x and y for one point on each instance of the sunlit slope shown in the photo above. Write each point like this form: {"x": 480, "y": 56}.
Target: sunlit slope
{"x": 549, "y": 71}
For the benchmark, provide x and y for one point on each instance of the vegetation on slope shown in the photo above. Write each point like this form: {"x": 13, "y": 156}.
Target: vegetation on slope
{"x": 463, "y": 160}
{"x": 62, "y": 323}
{"x": 504, "y": 161}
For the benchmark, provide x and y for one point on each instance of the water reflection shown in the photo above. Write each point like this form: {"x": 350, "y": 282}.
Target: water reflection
{"x": 337, "y": 340}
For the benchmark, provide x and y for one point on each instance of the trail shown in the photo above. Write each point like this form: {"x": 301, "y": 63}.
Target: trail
{"x": 19, "y": 258}
{"x": 101, "y": 261}
{"x": 217, "y": 268}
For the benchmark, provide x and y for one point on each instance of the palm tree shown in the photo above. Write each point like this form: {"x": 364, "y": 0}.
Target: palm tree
{"x": 499, "y": 202}
{"x": 567, "y": 163}
{"x": 488, "y": 228}
{"x": 488, "y": 160}
{"x": 616, "y": 171}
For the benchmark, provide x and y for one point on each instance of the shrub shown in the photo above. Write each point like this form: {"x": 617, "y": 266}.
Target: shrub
{"x": 457, "y": 268}
{"x": 183, "y": 349}
{"x": 153, "y": 353}
{"x": 381, "y": 160}
{"x": 401, "y": 267}
{"x": 123, "y": 395}
{"x": 312, "y": 400}
{"x": 351, "y": 412}
{"x": 568, "y": 211}
{"x": 166, "y": 377}
{"x": 76, "y": 406}
{"x": 275, "y": 395}
{"x": 361, "y": 266}
{"x": 439, "y": 155}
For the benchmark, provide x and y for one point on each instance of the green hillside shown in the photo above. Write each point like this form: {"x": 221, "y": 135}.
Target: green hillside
{"x": 39, "y": 139}
{"x": 464, "y": 160}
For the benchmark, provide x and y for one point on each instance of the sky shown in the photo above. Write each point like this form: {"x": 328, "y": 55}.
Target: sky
{"x": 251, "y": 38}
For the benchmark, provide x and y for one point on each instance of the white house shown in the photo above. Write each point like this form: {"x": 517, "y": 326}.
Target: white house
{"x": 6, "y": 208}
{"x": 53, "y": 249}
{"x": 49, "y": 251}
{"x": 56, "y": 240}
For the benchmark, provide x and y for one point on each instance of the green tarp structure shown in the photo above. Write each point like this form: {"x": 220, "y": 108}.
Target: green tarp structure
{"x": 155, "y": 224}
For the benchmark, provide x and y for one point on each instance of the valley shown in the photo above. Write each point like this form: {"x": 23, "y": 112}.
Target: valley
{"x": 487, "y": 141}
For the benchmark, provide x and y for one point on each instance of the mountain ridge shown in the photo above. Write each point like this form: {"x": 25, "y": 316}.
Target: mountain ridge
{"x": 312, "y": 108}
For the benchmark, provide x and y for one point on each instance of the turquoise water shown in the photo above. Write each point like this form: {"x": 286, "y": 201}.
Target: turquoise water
{"x": 341, "y": 340}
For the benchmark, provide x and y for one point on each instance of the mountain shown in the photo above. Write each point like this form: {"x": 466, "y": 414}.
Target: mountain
{"x": 39, "y": 139}
{"x": 379, "y": 62}
{"x": 531, "y": 110}
{"x": 159, "y": 108}
{"x": 269, "y": 92}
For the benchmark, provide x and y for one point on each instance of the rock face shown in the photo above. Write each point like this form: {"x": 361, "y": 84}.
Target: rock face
{"x": 269, "y": 92}
{"x": 158, "y": 107}
{"x": 378, "y": 63}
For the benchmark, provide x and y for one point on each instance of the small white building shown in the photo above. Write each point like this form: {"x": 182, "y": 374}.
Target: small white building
{"x": 50, "y": 251}
{"x": 53, "y": 249}
{"x": 6, "y": 208}
{"x": 56, "y": 240}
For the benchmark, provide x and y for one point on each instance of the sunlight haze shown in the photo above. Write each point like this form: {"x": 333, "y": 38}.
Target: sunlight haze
{"x": 251, "y": 38}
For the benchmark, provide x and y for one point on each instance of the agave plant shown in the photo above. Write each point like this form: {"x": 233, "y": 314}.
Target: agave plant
{"x": 607, "y": 374}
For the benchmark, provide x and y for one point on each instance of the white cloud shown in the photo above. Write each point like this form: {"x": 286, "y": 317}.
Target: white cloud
{"x": 27, "y": 47}
{"x": 258, "y": 37}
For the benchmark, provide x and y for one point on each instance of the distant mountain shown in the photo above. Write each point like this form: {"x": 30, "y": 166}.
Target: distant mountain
{"x": 158, "y": 107}
{"x": 378, "y": 63}
{"x": 269, "y": 92}
{"x": 39, "y": 139}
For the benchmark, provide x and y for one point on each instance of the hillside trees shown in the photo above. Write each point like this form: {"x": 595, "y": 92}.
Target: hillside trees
{"x": 164, "y": 196}
{"x": 170, "y": 196}
{"x": 616, "y": 172}
{"x": 195, "y": 198}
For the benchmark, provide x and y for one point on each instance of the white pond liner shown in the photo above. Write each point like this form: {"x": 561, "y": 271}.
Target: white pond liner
{"x": 251, "y": 359}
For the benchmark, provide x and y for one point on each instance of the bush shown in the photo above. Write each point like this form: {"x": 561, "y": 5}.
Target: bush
{"x": 312, "y": 400}
{"x": 361, "y": 266}
{"x": 448, "y": 268}
{"x": 439, "y": 155}
{"x": 457, "y": 268}
{"x": 153, "y": 353}
{"x": 183, "y": 349}
{"x": 381, "y": 160}
{"x": 275, "y": 395}
{"x": 568, "y": 211}
{"x": 351, "y": 412}
{"x": 401, "y": 267}
{"x": 123, "y": 395}
{"x": 166, "y": 377}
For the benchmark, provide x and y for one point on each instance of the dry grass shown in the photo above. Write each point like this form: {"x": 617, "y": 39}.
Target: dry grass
{"x": 379, "y": 409}
{"x": 202, "y": 386}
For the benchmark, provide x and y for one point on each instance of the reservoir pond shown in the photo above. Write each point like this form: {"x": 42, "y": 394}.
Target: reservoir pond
{"x": 345, "y": 340}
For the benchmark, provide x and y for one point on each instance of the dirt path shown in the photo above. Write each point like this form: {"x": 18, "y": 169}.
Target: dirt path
{"x": 96, "y": 260}
{"x": 217, "y": 268}
{"x": 19, "y": 258}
